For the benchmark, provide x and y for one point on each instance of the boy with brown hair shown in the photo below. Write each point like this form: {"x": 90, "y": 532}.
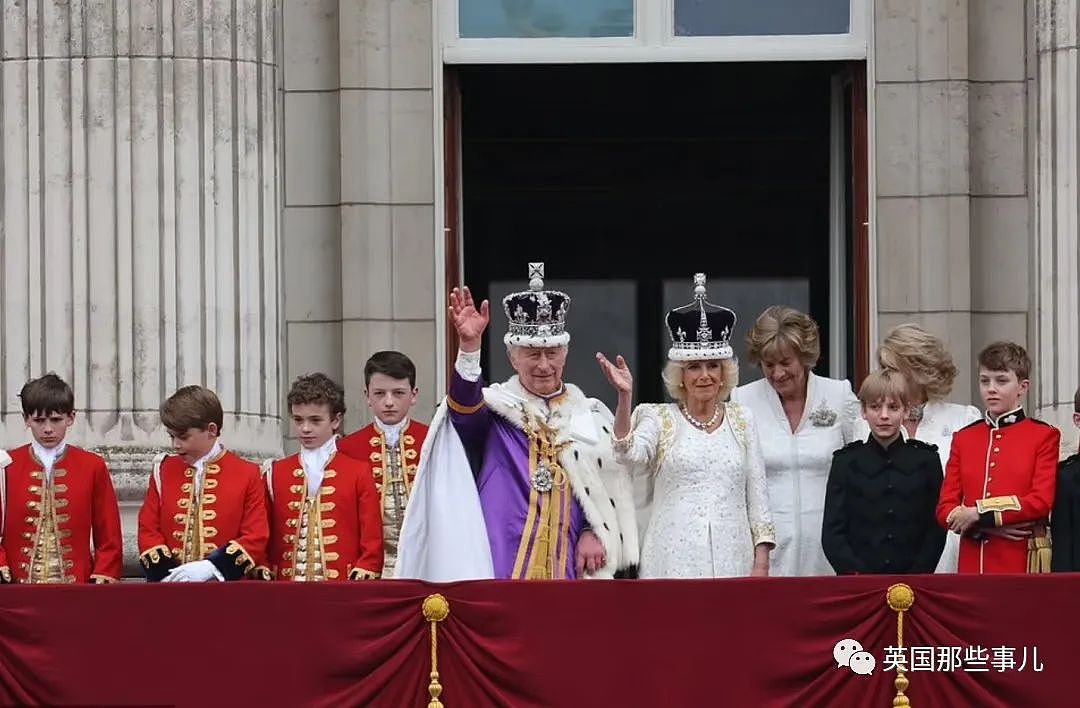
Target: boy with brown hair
{"x": 325, "y": 522}
{"x": 55, "y": 498}
{"x": 1001, "y": 475}
{"x": 391, "y": 443}
{"x": 204, "y": 515}
{"x": 1065, "y": 519}
{"x": 882, "y": 492}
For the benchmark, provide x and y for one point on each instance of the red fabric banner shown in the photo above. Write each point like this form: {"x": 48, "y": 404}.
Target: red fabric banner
{"x": 745, "y": 642}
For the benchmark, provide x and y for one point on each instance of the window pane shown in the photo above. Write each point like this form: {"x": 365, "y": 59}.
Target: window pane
{"x": 726, "y": 18}
{"x": 545, "y": 18}
{"x": 602, "y": 318}
{"x": 748, "y": 298}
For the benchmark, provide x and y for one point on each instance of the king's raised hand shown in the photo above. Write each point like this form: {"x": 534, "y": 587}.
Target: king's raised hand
{"x": 469, "y": 321}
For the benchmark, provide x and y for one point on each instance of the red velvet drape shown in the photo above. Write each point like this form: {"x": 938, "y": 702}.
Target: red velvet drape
{"x": 747, "y": 642}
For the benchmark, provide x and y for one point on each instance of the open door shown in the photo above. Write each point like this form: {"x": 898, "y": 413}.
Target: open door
{"x": 452, "y": 276}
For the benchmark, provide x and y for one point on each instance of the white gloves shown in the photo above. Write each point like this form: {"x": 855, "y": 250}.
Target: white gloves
{"x": 194, "y": 572}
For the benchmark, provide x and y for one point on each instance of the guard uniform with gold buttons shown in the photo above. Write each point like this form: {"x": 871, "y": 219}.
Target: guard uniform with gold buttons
{"x": 335, "y": 534}
{"x": 394, "y": 468}
{"x": 47, "y": 523}
{"x": 1007, "y": 469}
{"x": 879, "y": 508}
{"x": 224, "y": 520}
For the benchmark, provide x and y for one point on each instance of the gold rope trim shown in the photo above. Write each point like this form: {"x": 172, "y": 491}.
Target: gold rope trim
{"x": 154, "y": 554}
{"x": 463, "y": 409}
{"x": 361, "y": 574}
{"x": 435, "y": 609}
{"x": 900, "y": 598}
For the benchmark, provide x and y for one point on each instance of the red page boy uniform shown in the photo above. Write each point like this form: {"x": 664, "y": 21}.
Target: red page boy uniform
{"x": 1007, "y": 469}
{"x": 53, "y": 501}
{"x": 213, "y": 510}
{"x": 327, "y": 524}
{"x": 394, "y": 453}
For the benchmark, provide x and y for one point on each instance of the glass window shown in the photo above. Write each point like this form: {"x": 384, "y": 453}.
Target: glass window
{"x": 748, "y": 298}
{"x": 726, "y": 18}
{"x": 602, "y": 318}
{"x": 545, "y": 18}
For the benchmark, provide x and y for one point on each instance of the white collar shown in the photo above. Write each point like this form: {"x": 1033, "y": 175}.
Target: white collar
{"x": 392, "y": 432}
{"x": 200, "y": 463}
{"x": 48, "y": 455}
{"x": 317, "y": 458}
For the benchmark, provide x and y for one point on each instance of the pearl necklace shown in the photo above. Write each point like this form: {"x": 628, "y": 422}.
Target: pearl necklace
{"x": 697, "y": 423}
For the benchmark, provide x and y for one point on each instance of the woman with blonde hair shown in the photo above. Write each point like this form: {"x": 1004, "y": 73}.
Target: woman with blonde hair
{"x": 921, "y": 358}
{"x": 802, "y": 419}
{"x": 699, "y": 457}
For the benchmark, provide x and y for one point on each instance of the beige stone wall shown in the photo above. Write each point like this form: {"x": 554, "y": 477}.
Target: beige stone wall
{"x": 952, "y": 228}
{"x": 358, "y": 173}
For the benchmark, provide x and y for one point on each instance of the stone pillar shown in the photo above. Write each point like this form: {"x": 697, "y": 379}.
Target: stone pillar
{"x": 1057, "y": 154}
{"x": 952, "y": 229}
{"x": 359, "y": 191}
{"x": 922, "y": 225}
{"x": 139, "y": 220}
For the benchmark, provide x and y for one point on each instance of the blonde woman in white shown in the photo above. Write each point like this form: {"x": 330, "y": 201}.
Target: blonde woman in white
{"x": 698, "y": 458}
{"x": 921, "y": 358}
{"x": 802, "y": 419}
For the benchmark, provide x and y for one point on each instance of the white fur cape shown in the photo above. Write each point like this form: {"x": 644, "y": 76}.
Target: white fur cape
{"x": 443, "y": 536}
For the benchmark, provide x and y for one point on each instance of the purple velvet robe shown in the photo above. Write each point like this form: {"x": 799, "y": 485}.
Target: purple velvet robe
{"x": 499, "y": 452}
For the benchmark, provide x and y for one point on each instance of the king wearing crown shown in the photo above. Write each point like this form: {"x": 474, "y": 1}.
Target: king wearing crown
{"x": 518, "y": 480}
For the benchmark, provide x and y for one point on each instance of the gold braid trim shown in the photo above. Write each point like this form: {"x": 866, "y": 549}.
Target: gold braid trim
{"x": 261, "y": 572}
{"x": 463, "y": 409}
{"x": 5, "y": 574}
{"x": 103, "y": 579}
{"x": 243, "y": 558}
{"x": 998, "y": 504}
{"x": 152, "y": 556}
{"x": 361, "y": 574}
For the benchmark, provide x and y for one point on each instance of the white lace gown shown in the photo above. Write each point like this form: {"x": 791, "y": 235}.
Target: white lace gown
{"x": 940, "y": 420}
{"x": 797, "y": 465}
{"x": 709, "y": 504}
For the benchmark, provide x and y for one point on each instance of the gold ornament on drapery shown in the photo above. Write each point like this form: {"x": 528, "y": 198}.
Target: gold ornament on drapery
{"x": 435, "y": 609}
{"x": 900, "y": 598}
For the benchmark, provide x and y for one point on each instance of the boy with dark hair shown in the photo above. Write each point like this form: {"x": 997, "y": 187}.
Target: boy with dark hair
{"x": 55, "y": 498}
{"x": 882, "y": 492}
{"x": 204, "y": 515}
{"x": 1065, "y": 519}
{"x": 324, "y": 510}
{"x": 391, "y": 443}
{"x": 1001, "y": 475}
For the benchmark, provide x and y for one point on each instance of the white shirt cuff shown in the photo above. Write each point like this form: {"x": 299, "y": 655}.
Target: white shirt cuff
{"x": 468, "y": 365}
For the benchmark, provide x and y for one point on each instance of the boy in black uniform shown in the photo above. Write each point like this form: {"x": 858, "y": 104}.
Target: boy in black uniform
{"x": 1065, "y": 518}
{"x": 882, "y": 493}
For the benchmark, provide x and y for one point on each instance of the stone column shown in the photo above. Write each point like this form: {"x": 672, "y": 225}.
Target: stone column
{"x": 1057, "y": 153}
{"x": 140, "y": 248}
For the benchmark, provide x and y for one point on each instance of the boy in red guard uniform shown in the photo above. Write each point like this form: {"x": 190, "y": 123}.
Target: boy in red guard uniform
{"x": 55, "y": 498}
{"x": 1002, "y": 470}
{"x": 324, "y": 510}
{"x": 392, "y": 443}
{"x": 204, "y": 516}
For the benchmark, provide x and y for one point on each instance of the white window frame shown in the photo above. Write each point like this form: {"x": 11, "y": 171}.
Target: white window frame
{"x": 654, "y": 40}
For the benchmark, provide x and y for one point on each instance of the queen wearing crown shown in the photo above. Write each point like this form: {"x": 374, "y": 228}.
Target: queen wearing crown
{"x": 707, "y": 507}
{"x": 517, "y": 480}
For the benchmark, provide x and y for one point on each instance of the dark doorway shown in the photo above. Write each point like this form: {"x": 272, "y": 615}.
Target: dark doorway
{"x": 626, "y": 179}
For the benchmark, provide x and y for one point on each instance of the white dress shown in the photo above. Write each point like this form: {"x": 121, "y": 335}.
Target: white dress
{"x": 709, "y": 505}
{"x": 940, "y": 420}
{"x": 797, "y": 465}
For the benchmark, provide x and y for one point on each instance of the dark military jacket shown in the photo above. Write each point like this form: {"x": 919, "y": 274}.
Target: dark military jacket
{"x": 879, "y": 508}
{"x": 1065, "y": 518}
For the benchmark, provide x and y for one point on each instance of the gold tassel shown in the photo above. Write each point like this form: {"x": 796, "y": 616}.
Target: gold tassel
{"x": 435, "y": 609}
{"x": 1039, "y": 554}
{"x": 900, "y": 598}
